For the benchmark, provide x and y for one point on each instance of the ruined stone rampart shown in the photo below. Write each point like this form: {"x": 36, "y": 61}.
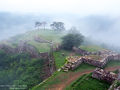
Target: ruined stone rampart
{"x": 98, "y": 63}
{"x": 24, "y": 47}
{"x": 104, "y": 61}
{"x": 101, "y": 74}
{"x": 72, "y": 65}
{"x": 92, "y": 62}
{"x": 76, "y": 64}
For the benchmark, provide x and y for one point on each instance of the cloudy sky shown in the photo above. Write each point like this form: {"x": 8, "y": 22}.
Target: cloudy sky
{"x": 80, "y": 7}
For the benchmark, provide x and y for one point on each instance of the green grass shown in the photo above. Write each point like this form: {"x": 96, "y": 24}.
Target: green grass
{"x": 84, "y": 67}
{"x": 59, "y": 58}
{"x": 41, "y": 47}
{"x": 113, "y": 63}
{"x": 61, "y": 77}
{"x": 45, "y": 34}
{"x": 91, "y": 48}
{"x": 54, "y": 79}
{"x": 86, "y": 82}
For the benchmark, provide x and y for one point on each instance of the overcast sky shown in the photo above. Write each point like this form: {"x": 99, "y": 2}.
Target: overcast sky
{"x": 79, "y": 7}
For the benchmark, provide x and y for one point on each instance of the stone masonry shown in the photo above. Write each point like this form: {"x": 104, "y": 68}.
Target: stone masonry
{"x": 106, "y": 56}
{"x": 101, "y": 74}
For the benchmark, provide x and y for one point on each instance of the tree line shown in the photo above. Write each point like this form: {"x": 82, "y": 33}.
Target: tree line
{"x": 57, "y": 26}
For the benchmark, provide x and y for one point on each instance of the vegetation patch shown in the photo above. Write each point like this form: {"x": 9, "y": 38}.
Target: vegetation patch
{"x": 83, "y": 67}
{"x": 59, "y": 58}
{"x": 20, "y": 69}
{"x": 91, "y": 48}
{"x": 86, "y": 82}
{"x": 113, "y": 64}
{"x": 41, "y": 47}
{"x": 52, "y": 80}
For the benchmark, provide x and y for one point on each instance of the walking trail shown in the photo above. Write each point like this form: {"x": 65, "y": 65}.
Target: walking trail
{"x": 73, "y": 77}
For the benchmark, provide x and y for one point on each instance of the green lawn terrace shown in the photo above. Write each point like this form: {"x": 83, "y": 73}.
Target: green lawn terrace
{"x": 86, "y": 82}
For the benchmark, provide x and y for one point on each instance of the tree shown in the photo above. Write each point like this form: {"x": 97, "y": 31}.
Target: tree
{"x": 71, "y": 40}
{"x": 58, "y": 26}
{"x": 38, "y": 25}
{"x": 44, "y": 24}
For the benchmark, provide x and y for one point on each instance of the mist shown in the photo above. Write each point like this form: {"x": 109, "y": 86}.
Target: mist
{"x": 98, "y": 20}
{"x": 101, "y": 28}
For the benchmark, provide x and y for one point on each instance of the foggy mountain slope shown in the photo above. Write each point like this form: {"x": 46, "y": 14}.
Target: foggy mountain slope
{"x": 30, "y": 38}
{"x": 106, "y": 28}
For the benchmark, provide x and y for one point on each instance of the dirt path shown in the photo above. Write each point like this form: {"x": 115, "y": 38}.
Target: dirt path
{"x": 62, "y": 85}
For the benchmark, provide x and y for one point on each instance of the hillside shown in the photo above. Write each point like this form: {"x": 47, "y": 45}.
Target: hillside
{"x": 62, "y": 79}
{"x": 25, "y": 60}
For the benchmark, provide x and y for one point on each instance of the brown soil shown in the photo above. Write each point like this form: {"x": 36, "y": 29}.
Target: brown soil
{"x": 73, "y": 77}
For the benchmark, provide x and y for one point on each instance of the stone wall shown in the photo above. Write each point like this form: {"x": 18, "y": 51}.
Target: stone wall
{"x": 104, "y": 61}
{"x": 93, "y": 62}
{"x": 84, "y": 52}
{"x": 98, "y": 63}
{"x": 101, "y": 74}
{"x": 76, "y": 64}
{"x": 72, "y": 65}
